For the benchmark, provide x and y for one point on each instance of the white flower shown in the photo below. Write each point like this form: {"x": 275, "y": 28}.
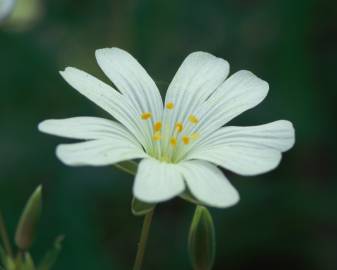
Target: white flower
{"x": 180, "y": 143}
{"x": 6, "y": 7}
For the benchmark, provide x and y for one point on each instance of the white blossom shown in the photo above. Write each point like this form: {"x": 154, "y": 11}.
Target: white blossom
{"x": 180, "y": 143}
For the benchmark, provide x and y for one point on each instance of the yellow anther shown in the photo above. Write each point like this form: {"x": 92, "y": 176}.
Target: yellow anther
{"x": 195, "y": 136}
{"x": 193, "y": 119}
{"x": 146, "y": 115}
{"x": 179, "y": 127}
{"x": 169, "y": 105}
{"x": 173, "y": 141}
{"x": 156, "y": 136}
{"x": 157, "y": 126}
{"x": 185, "y": 139}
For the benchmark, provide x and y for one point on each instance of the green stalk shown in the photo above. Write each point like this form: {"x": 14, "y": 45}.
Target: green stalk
{"x": 131, "y": 168}
{"x": 143, "y": 240}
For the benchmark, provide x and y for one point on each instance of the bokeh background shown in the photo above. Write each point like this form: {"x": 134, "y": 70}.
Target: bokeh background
{"x": 287, "y": 219}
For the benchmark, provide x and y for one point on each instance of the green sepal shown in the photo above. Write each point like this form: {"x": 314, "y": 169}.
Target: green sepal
{"x": 30, "y": 216}
{"x": 139, "y": 208}
{"x": 201, "y": 240}
{"x": 50, "y": 258}
{"x": 187, "y": 196}
{"x": 128, "y": 166}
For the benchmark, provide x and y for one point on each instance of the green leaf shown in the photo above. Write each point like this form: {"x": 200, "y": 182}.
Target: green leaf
{"x": 140, "y": 208}
{"x": 201, "y": 240}
{"x": 128, "y": 166}
{"x": 30, "y": 216}
{"x": 52, "y": 255}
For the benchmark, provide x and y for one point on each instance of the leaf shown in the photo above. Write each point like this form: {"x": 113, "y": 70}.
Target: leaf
{"x": 52, "y": 255}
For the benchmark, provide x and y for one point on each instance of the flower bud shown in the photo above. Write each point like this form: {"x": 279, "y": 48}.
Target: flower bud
{"x": 140, "y": 208}
{"x": 29, "y": 218}
{"x": 201, "y": 240}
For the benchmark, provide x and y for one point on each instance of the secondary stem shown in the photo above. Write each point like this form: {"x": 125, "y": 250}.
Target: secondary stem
{"x": 143, "y": 240}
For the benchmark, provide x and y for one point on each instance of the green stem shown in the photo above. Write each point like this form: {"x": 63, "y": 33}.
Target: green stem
{"x": 4, "y": 236}
{"x": 143, "y": 240}
{"x": 131, "y": 168}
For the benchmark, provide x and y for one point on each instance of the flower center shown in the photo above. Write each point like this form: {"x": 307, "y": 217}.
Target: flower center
{"x": 171, "y": 140}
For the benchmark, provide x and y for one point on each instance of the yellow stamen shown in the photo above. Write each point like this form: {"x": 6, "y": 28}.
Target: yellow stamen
{"x": 173, "y": 141}
{"x": 193, "y": 119}
{"x": 185, "y": 139}
{"x": 156, "y": 136}
{"x": 195, "y": 136}
{"x": 146, "y": 115}
{"x": 179, "y": 127}
{"x": 157, "y": 126}
{"x": 169, "y": 105}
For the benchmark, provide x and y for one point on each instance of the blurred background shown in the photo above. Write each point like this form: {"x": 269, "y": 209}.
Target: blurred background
{"x": 286, "y": 219}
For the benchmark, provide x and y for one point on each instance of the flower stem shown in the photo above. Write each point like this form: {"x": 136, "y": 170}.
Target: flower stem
{"x": 131, "y": 168}
{"x": 143, "y": 240}
{"x": 4, "y": 236}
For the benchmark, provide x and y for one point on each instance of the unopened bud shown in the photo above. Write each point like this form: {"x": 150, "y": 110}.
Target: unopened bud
{"x": 29, "y": 218}
{"x": 201, "y": 241}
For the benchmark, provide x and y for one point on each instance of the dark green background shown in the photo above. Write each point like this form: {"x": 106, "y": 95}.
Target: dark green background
{"x": 286, "y": 219}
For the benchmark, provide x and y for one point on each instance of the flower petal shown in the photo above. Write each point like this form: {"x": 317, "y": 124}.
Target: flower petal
{"x": 240, "y": 92}
{"x": 131, "y": 79}
{"x": 98, "y": 152}
{"x": 246, "y": 150}
{"x": 241, "y": 160}
{"x": 208, "y": 184}
{"x": 157, "y": 181}
{"x": 86, "y": 128}
{"x": 278, "y": 135}
{"x": 196, "y": 79}
{"x": 108, "y": 99}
